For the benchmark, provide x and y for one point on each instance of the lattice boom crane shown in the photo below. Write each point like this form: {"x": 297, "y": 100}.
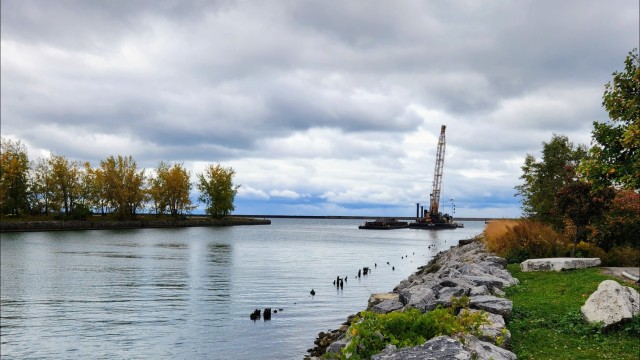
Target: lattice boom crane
{"x": 437, "y": 175}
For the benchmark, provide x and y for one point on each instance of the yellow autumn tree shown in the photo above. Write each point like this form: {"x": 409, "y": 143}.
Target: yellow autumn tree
{"x": 169, "y": 189}
{"x": 65, "y": 182}
{"x": 14, "y": 174}
{"x": 122, "y": 186}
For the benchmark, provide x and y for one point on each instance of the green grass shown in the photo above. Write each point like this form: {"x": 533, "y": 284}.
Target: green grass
{"x": 547, "y": 323}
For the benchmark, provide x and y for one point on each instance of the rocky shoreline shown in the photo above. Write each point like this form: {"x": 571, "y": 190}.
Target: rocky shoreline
{"x": 19, "y": 226}
{"x": 465, "y": 270}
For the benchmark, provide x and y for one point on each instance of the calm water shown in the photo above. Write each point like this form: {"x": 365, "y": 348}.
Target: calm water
{"x": 187, "y": 293}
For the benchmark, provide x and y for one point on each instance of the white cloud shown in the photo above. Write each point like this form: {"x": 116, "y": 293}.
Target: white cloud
{"x": 289, "y": 194}
{"x": 248, "y": 192}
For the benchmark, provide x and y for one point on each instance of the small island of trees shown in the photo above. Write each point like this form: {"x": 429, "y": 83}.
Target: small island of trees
{"x": 56, "y": 187}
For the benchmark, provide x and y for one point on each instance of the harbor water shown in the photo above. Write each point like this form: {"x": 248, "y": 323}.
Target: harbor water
{"x": 187, "y": 293}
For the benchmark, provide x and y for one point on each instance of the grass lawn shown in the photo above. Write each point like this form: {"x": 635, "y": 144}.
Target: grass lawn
{"x": 547, "y": 323}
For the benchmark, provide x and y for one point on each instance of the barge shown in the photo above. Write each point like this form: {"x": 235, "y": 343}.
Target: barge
{"x": 384, "y": 224}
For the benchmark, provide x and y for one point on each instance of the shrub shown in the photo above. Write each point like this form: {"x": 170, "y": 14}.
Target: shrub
{"x": 372, "y": 332}
{"x": 622, "y": 256}
{"x": 588, "y": 250}
{"x": 524, "y": 239}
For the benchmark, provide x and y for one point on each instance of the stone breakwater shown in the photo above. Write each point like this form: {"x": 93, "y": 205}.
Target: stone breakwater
{"x": 465, "y": 270}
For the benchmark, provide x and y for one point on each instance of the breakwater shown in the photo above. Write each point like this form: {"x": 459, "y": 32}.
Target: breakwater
{"x": 16, "y": 226}
{"x": 466, "y": 270}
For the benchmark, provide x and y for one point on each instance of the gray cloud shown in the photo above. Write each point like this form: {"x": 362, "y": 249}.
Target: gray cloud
{"x": 352, "y": 93}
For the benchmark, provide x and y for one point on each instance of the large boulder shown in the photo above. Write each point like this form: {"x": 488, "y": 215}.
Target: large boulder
{"x": 611, "y": 304}
{"x": 484, "y": 350}
{"x": 337, "y": 346}
{"x": 375, "y": 299}
{"x": 495, "y": 331}
{"x": 447, "y": 348}
{"x": 421, "y": 297}
{"x": 438, "y": 348}
{"x": 387, "y": 306}
{"x": 492, "y": 304}
{"x": 558, "y": 264}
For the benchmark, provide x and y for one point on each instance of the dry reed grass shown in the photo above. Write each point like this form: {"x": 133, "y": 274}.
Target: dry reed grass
{"x": 523, "y": 239}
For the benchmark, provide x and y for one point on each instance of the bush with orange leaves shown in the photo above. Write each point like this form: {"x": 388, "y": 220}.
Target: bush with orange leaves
{"x": 520, "y": 240}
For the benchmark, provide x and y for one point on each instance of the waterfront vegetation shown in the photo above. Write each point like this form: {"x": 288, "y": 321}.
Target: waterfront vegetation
{"x": 519, "y": 240}
{"x": 370, "y": 333}
{"x": 583, "y": 201}
{"x": 547, "y": 324}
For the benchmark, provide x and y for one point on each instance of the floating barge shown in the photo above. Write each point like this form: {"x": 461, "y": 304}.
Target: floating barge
{"x": 384, "y": 224}
{"x": 435, "y": 225}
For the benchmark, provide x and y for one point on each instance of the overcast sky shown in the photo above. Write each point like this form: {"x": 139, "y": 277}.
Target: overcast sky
{"x": 322, "y": 107}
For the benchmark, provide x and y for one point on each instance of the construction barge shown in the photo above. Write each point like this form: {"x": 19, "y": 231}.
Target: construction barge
{"x": 384, "y": 224}
{"x": 429, "y": 225}
{"x": 431, "y": 219}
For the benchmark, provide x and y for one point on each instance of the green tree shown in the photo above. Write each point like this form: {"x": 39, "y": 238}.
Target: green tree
{"x": 542, "y": 179}
{"x": 169, "y": 190}
{"x": 615, "y": 155}
{"x": 14, "y": 177}
{"x": 217, "y": 191}
{"x": 578, "y": 201}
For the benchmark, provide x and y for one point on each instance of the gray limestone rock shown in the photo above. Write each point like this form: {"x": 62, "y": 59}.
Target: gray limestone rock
{"x": 336, "y": 346}
{"x": 482, "y": 350}
{"x": 489, "y": 281}
{"x": 375, "y": 299}
{"x": 438, "y": 348}
{"x": 495, "y": 331}
{"x": 498, "y": 261}
{"x": 492, "y": 304}
{"x": 479, "y": 290}
{"x": 445, "y": 294}
{"x": 421, "y": 296}
{"x": 447, "y": 348}
{"x": 611, "y": 304}
{"x": 387, "y": 306}
{"x": 558, "y": 264}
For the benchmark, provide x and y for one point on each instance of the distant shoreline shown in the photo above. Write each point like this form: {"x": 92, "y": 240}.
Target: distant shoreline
{"x": 53, "y": 225}
{"x": 354, "y": 217}
{"x": 190, "y": 221}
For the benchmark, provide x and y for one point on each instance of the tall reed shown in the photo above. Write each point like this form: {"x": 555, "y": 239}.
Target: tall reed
{"x": 524, "y": 239}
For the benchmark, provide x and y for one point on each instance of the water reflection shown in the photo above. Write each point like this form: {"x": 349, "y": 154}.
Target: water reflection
{"x": 219, "y": 273}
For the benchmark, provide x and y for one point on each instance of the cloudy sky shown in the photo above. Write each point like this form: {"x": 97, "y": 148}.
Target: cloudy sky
{"x": 322, "y": 107}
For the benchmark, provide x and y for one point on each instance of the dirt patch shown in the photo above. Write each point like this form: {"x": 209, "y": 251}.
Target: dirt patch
{"x": 616, "y": 272}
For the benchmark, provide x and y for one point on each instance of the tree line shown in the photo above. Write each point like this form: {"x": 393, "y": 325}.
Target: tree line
{"x": 73, "y": 189}
{"x": 593, "y": 193}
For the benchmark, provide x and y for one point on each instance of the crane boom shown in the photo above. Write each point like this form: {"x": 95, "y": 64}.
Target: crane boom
{"x": 435, "y": 220}
{"x": 437, "y": 175}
